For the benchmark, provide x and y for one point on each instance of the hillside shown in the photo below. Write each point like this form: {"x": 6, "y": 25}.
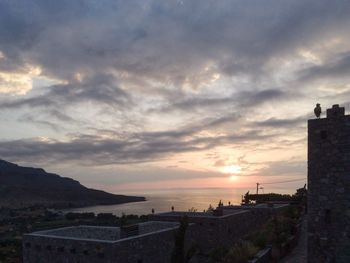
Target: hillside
{"x": 26, "y": 186}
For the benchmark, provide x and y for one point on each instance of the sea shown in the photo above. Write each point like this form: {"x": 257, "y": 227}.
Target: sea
{"x": 164, "y": 200}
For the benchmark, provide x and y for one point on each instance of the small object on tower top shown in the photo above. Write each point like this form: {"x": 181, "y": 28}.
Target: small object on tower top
{"x": 318, "y": 110}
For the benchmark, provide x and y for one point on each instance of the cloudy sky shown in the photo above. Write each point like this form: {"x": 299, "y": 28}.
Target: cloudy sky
{"x": 158, "y": 94}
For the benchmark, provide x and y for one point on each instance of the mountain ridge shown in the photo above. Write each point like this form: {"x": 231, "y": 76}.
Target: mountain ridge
{"x": 27, "y": 186}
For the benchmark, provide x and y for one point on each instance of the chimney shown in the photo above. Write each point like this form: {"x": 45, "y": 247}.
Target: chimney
{"x": 335, "y": 112}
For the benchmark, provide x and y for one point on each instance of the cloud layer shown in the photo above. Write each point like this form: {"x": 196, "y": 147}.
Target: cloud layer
{"x": 124, "y": 82}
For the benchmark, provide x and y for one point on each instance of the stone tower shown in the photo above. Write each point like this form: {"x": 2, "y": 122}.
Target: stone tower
{"x": 329, "y": 187}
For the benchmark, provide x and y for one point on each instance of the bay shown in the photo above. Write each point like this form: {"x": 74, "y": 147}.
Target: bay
{"x": 163, "y": 200}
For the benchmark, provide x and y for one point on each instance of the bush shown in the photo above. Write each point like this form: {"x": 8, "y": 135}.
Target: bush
{"x": 241, "y": 252}
{"x": 143, "y": 218}
{"x": 178, "y": 254}
{"x": 74, "y": 216}
{"x": 260, "y": 240}
{"x": 106, "y": 216}
{"x": 292, "y": 212}
{"x": 218, "y": 253}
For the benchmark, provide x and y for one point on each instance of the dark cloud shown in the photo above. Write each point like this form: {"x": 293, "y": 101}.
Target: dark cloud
{"x": 282, "y": 123}
{"x": 134, "y": 56}
{"x": 239, "y": 100}
{"x": 102, "y": 89}
{"x": 336, "y": 67}
{"x": 249, "y": 99}
{"x": 167, "y": 41}
{"x": 137, "y": 148}
{"x": 59, "y": 115}
{"x": 196, "y": 103}
{"x": 290, "y": 167}
{"x": 39, "y": 122}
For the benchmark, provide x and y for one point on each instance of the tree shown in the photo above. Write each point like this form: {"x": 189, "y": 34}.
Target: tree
{"x": 210, "y": 209}
{"x": 221, "y": 204}
{"x": 192, "y": 210}
{"x": 178, "y": 255}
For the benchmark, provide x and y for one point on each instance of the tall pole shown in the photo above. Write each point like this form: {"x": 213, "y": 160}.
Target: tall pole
{"x": 257, "y": 188}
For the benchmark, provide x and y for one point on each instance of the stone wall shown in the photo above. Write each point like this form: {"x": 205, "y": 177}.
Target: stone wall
{"x": 329, "y": 188}
{"x": 148, "y": 248}
{"x": 153, "y": 226}
{"x": 153, "y": 244}
{"x": 44, "y": 249}
{"x": 220, "y": 231}
{"x": 155, "y": 247}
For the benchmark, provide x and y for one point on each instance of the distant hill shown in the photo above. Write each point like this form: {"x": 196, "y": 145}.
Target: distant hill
{"x": 25, "y": 186}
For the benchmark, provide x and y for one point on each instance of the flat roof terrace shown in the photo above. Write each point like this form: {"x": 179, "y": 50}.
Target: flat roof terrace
{"x": 106, "y": 234}
{"x": 83, "y": 232}
{"x": 262, "y": 205}
{"x": 200, "y": 214}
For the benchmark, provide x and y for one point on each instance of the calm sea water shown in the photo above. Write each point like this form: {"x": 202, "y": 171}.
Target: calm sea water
{"x": 163, "y": 200}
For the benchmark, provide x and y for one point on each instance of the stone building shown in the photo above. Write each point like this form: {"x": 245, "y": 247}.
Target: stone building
{"x": 329, "y": 187}
{"x": 149, "y": 242}
{"x": 225, "y": 226}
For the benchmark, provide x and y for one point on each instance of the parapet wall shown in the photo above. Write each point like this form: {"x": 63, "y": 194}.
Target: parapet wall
{"x": 44, "y": 249}
{"x": 211, "y": 231}
{"x": 85, "y": 232}
{"x": 154, "y": 226}
{"x": 154, "y": 244}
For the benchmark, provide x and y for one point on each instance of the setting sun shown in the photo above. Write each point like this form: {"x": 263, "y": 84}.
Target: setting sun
{"x": 233, "y": 178}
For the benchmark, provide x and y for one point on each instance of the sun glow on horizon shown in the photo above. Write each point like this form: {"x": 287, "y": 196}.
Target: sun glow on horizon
{"x": 234, "y": 178}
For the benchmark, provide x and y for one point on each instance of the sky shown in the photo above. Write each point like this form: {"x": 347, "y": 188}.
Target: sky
{"x": 151, "y": 94}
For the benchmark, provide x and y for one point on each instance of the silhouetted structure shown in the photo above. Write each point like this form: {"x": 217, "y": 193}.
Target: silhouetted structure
{"x": 148, "y": 242}
{"x": 328, "y": 187}
{"x": 318, "y": 110}
{"x": 224, "y": 226}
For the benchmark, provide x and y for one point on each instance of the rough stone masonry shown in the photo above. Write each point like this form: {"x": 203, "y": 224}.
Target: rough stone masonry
{"x": 329, "y": 187}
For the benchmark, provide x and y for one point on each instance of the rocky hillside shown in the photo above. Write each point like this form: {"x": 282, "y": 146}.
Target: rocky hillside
{"x": 25, "y": 186}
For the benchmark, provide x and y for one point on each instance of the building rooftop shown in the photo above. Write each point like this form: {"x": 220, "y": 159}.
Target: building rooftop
{"x": 199, "y": 214}
{"x": 226, "y": 211}
{"x": 107, "y": 234}
{"x": 262, "y": 205}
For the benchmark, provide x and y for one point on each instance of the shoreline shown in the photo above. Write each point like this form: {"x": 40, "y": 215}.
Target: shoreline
{"x": 66, "y": 205}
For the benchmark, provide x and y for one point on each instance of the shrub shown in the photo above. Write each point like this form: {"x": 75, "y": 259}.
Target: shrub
{"x": 178, "y": 254}
{"x": 260, "y": 240}
{"x": 218, "y": 253}
{"x": 241, "y": 252}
